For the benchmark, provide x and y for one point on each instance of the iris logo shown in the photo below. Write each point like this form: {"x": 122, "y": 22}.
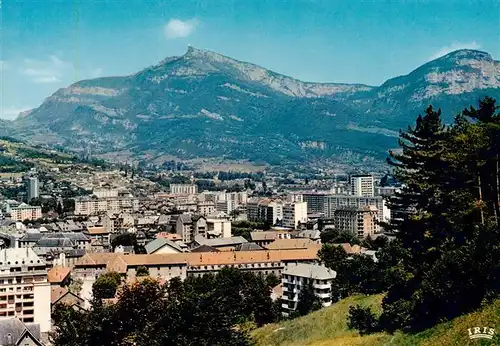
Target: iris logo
{"x": 481, "y": 333}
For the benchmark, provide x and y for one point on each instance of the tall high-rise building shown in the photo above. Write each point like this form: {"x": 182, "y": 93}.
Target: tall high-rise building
{"x": 362, "y": 185}
{"x": 294, "y": 214}
{"x": 32, "y": 188}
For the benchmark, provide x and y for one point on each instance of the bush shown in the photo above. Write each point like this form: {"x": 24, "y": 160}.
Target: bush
{"x": 362, "y": 319}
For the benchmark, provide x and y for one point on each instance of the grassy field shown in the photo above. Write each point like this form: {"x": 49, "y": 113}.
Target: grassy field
{"x": 328, "y": 327}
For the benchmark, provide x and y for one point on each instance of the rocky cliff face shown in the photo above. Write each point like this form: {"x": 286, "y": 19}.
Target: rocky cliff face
{"x": 206, "y": 104}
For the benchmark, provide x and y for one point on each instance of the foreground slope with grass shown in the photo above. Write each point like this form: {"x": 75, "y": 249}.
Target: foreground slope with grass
{"x": 328, "y": 326}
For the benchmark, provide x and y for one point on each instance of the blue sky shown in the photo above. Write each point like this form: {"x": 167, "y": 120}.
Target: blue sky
{"x": 46, "y": 44}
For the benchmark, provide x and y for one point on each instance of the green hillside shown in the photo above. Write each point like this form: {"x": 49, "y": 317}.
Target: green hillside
{"x": 328, "y": 327}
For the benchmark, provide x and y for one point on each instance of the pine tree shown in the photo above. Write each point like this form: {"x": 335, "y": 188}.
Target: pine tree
{"x": 449, "y": 208}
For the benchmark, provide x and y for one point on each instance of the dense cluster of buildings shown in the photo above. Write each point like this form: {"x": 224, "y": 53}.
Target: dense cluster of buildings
{"x": 182, "y": 232}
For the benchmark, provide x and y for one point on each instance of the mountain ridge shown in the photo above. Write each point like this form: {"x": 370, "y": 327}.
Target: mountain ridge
{"x": 205, "y": 104}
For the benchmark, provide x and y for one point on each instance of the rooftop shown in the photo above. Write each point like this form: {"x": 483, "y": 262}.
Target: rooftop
{"x": 19, "y": 256}
{"x": 12, "y": 330}
{"x": 217, "y": 242}
{"x": 58, "y": 274}
{"x": 313, "y": 271}
{"x": 281, "y": 244}
{"x": 158, "y": 243}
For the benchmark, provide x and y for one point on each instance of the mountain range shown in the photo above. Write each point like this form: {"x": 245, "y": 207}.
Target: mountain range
{"x": 204, "y": 104}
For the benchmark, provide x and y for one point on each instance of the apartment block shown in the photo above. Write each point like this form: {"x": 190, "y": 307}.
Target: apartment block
{"x": 334, "y": 202}
{"x": 362, "y": 185}
{"x": 183, "y": 189}
{"x": 189, "y": 226}
{"x": 316, "y": 202}
{"x": 265, "y": 210}
{"x": 218, "y": 228}
{"x": 25, "y": 212}
{"x": 93, "y": 205}
{"x": 24, "y": 287}
{"x": 361, "y": 221}
{"x": 295, "y": 278}
{"x": 226, "y": 206}
{"x": 205, "y": 208}
{"x": 294, "y": 214}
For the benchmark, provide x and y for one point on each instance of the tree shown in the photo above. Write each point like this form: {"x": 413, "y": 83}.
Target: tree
{"x": 142, "y": 271}
{"x": 334, "y": 236}
{"x": 68, "y": 205}
{"x": 76, "y": 286}
{"x": 448, "y": 207}
{"x": 308, "y": 300}
{"x": 106, "y": 285}
{"x": 362, "y": 319}
{"x": 272, "y": 280}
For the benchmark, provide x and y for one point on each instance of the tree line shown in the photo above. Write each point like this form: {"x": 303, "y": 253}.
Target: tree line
{"x": 208, "y": 310}
{"x": 445, "y": 260}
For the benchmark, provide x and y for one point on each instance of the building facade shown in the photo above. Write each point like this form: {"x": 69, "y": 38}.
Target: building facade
{"x": 361, "y": 221}
{"x": 24, "y": 287}
{"x": 294, "y": 214}
{"x": 265, "y": 210}
{"x": 33, "y": 190}
{"x": 294, "y": 279}
{"x": 362, "y": 185}
{"x": 25, "y": 212}
{"x": 94, "y": 206}
{"x": 183, "y": 189}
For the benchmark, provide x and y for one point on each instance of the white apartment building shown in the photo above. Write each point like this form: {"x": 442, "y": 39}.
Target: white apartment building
{"x": 294, "y": 214}
{"x": 183, "y": 189}
{"x": 24, "y": 287}
{"x": 220, "y": 228}
{"x": 294, "y": 197}
{"x": 93, "y": 206}
{"x": 294, "y": 278}
{"x": 105, "y": 193}
{"x": 334, "y": 202}
{"x": 237, "y": 197}
{"x": 226, "y": 206}
{"x": 362, "y": 185}
{"x": 25, "y": 212}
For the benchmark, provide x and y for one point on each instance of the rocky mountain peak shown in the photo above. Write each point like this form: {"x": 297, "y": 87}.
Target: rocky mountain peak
{"x": 461, "y": 54}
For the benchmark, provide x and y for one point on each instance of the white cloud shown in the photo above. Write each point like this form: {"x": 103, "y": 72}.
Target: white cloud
{"x": 176, "y": 28}
{"x": 453, "y": 47}
{"x": 10, "y": 113}
{"x": 51, "y": 70}
{"x": 97, "y": 72}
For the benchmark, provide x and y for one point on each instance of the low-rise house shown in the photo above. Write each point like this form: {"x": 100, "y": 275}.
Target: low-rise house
{"x": 295, "y": 278}
{"x": 163, "y": 246}
{"x": 61, "y": 295}
{"x": 59, "y": 276}
{"x": 13, "y": 332}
